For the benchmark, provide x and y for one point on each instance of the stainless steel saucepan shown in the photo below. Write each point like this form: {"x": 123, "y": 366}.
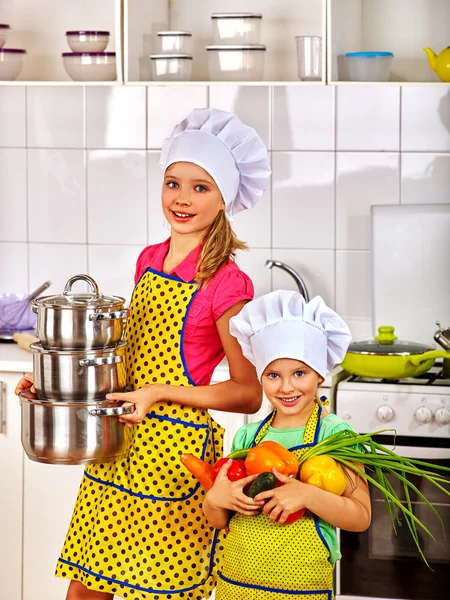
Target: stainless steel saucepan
{"x": 72, "y": 321}
{"x": 78, "y": 375}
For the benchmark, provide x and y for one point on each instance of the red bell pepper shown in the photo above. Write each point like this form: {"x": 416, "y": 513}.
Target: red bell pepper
{"x": 235, "y": 472}
{"x": 295, "y": 516}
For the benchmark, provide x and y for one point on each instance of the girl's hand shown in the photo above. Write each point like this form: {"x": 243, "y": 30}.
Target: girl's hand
{"x": 229, "y": 495}
{"x": 284, "y": 500}
{"x": 26, "y": 383}
{"x": 142, "y": 399}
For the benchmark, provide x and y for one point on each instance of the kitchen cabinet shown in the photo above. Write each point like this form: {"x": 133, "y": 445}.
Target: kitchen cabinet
{"x": 403, "y": 27}
{"x": 40, "y": 26}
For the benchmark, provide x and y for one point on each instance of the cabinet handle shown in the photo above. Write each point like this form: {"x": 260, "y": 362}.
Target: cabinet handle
{"x": 2, "y": 406}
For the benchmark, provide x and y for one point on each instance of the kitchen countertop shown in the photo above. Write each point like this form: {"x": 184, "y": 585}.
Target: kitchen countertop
{"x": 15, "y": 360}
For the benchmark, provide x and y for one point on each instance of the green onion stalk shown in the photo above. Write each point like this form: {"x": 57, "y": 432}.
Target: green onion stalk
{"x": 348, "y": 447}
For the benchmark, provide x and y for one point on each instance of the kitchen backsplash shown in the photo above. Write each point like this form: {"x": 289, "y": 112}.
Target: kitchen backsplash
{"x": 80, "y": 180}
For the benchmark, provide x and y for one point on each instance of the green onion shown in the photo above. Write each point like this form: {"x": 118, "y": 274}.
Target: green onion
{"x": 348, "y": 447}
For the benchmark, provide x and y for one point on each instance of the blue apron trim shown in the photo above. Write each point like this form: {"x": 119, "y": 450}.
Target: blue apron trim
{"x": 143, "y": 589}
{"x": 316, "y": 433}
{"x": 149, "y": 496}
{"x": 165, "y": 275}
{"x": 263, "y": 422}
{"x": 186, "y": 423}
{"x": 320, "y": 534}
{"x": 277, "y": 590}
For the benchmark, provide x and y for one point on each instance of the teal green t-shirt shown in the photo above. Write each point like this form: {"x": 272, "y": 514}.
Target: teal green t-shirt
{"x": 288, "y": 438}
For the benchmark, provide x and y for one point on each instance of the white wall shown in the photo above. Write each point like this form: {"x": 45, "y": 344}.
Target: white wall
{"x": 80, "y": 181}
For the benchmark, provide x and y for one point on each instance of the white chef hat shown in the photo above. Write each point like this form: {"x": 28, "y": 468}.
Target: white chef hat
{"x": 231, "y": 152}
{"x": 283, "y": 325}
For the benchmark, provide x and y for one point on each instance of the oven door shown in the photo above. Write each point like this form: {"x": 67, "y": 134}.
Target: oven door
{"x": 380, "y": 565}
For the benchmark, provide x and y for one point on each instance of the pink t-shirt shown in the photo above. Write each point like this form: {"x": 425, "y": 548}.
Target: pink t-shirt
{"x": 202, "y": 346}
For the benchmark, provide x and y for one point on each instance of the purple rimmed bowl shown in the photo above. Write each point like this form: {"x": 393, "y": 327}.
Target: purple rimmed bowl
{"x": 90, "y": 66}
{"x": 87, "y": 41}
{"x": 11, "y": 63}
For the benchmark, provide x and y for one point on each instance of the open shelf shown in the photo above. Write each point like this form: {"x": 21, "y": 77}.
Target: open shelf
{"x": 403, "y": 27}
{"x": 282, "y": 21}
{"x": 39, "y": 27}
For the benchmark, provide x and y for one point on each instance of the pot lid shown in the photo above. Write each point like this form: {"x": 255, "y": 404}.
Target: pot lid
{"x": 68, "y": 299}
{"x": 387, "y": 343}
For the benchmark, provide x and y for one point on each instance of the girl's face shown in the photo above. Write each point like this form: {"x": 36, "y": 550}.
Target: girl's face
{"x": 290, "y": 386}
{"x": 191, "y": 199}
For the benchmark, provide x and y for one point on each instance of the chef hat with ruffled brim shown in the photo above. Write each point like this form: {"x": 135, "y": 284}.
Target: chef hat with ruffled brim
{"x": 283, "y": 325}
{"x": 231, "y": 152}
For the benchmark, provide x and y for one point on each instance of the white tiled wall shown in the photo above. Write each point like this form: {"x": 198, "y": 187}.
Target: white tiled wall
{"x": 80, "y": 180}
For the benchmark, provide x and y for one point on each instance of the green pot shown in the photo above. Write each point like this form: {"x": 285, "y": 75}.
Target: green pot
{"x": 386, "y": 357}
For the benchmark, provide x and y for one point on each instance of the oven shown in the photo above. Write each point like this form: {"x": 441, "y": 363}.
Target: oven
{"x": 377, "y": 564}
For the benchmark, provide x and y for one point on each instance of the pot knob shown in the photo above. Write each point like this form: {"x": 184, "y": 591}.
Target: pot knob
{"x": 442, "y": 416}
{"x": 385, "y": 413}
{"x": 423, "y": 415}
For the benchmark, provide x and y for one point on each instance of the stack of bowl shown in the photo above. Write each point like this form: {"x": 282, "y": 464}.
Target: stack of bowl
{"x": 236, "y": 54}
{"x": 174, "y": 61}
{"x": 88, "y": 60}
{"x": 11, "y": 59}
{"x": 80, "y": 357}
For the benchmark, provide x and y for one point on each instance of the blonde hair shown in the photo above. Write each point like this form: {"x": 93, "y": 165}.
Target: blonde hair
{"x": 219, "y": 246}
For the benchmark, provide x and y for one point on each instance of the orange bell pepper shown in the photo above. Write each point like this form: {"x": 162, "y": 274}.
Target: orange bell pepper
{"x": 199, "y": 469}
{"x": 323, "y": 472}
{"x": 270, "y": 455}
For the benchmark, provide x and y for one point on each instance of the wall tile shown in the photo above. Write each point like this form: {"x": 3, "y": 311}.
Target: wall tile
{"x": 55, "y": 117}
{"x": 315, "y": 267}
{"x": 353, "y": 285}
{"x": 57, "y": 196}
{"x": 13, "y": 195}
{"x": 249, "y": 103}
{"x": 363, "y": 179}
{"x": 58, "y": 263}
{"x": 303, "y": 200}
{"x": 116, "y": 117}
{"x": 12, "y": 117}
{"x": 253, "y": 262}
{"x": 253, "y": 226}
{"x": 117, "y": 192}
{"x": 303, "y": 118}
{"x": 13, "y": 267}
{"x": 167, "y": 106}
{"x": 113, "y": 268}
{"x": 426, "y": 118}
{"x": 425, "y": 178}
{"x": 368, "y": 118}
{"x": 158, "y": 228}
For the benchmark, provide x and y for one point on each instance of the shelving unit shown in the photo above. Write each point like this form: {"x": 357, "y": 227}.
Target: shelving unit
{"x": 39, "y": 27}
{"x": 403, "y": 27}
{"x": 282, "y": 21}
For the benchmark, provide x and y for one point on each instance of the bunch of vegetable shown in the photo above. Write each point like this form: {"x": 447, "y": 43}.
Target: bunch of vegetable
{"x": 319, "y": 466}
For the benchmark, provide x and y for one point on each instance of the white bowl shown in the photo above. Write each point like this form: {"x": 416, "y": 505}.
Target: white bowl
{"x": 90, "y": 66}
{"x": 87, "y": 41}
{"x": 11, "y": 63}
{"x": 236, "y": 63}
{"x": 175, "y": 42}
{"x": 369, "y": 66}
{"x": 171, "y": 67}
{"x": 4, "y": 32}
{"x": 236, "y": 28}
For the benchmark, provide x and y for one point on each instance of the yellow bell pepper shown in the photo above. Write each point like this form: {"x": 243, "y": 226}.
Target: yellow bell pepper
{"x": 323, "y": 472}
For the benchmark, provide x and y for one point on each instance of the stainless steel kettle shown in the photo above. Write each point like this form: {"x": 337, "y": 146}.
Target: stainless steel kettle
{"x": 442, "y": 337}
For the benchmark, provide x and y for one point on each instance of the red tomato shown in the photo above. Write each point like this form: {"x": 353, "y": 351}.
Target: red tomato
{"x": 235, "y": 472}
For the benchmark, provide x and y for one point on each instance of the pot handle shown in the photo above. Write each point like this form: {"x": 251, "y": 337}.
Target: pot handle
{"x": 417, "y": 359}
{"x": 81, "y": 277}
{"x": 101, "y": 316}
{"x": 106, "y": 360}
{"x": 112, "y": 411}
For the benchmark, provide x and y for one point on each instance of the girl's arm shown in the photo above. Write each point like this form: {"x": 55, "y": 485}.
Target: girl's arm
{"x": 351, "y": 511}
{"x": 241, "y": 393}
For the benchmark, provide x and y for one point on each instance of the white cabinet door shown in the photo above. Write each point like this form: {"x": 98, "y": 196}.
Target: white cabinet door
{"x": 49, "y": 497}
{"x": 11, "y": 462}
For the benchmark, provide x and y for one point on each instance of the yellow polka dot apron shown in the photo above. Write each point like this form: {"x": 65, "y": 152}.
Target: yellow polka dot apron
{"x": 266, "y": 561}
{"x": 138, "y": 530}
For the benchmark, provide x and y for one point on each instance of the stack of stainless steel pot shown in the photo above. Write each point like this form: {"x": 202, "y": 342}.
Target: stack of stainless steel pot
{"x": 80, "y": 357}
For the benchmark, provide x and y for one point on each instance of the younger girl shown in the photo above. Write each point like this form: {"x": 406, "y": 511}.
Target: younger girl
{"x": 293, "y": 344}
{"x": 138, "y": 530}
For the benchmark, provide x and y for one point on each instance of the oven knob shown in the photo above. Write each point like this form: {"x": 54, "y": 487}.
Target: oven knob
{"x": 442, "y": 416}
{"x": 423, "y": 415}
{"x": 385, "y": 413}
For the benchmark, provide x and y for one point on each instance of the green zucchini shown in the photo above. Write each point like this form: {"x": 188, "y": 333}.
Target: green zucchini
{"x": 264, "y": 482}
{"x": 242, "y": 453}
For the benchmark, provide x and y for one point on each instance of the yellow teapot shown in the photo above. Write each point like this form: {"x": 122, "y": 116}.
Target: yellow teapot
{"x": 440, "y": 63}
